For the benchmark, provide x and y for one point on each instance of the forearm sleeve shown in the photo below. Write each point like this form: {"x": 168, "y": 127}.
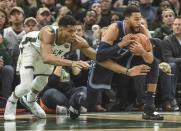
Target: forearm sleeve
{"x": 106, "y": 51}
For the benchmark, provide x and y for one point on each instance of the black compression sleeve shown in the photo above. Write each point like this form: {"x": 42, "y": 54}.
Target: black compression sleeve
{"x": 106, "y": 51}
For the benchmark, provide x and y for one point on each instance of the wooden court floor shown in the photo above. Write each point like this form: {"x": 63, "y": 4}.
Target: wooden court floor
{"x": 120, "y": 121}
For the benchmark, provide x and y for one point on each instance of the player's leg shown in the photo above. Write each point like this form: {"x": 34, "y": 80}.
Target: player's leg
{"x": 29, "y": 100}
{"x": 77, "y": 100}
{"x": 149, "y": 107}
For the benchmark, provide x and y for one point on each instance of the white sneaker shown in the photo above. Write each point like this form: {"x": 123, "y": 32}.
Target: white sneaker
{"x": 61, "y": 110}
{"x": 34, "y": 107}
{"x": 10, "y": 110}
{"x": 83, "y": 109}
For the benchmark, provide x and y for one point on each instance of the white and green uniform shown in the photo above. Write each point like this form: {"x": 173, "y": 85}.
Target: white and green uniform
{"x": 30, "y": 46}
{"x": 30, "y": 62}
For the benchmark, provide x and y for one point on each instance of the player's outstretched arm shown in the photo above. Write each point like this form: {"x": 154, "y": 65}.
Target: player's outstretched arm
{"x": 46, "y": 41}
{"x": 111, "y": 65}
{"x": 81, "y": 43}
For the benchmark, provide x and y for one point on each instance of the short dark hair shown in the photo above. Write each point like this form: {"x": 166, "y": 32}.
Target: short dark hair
{"x": 66, "y": 21}
{"x": 130, "y": 9}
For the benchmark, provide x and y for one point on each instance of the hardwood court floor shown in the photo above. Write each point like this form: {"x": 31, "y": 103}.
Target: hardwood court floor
{"x": 120, "y": 121}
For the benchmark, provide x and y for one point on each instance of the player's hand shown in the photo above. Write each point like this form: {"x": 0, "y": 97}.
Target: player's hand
{"x": 126, "y": 41}
{"x": 139, "y": 70}
{"x": 78, "y": 42}
{"x": 136, "y": 48}
{"x": 80, "y": 64}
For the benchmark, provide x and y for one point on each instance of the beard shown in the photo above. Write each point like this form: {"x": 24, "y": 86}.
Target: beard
{"x": 135, "y": 30}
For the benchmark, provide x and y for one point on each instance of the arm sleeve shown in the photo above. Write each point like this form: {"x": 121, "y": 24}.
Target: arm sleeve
{"x": 106, "y": 51}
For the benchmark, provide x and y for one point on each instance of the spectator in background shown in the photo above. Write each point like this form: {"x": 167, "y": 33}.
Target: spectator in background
{"x": 96, "y": 6}
{"x": 15, "y": 32}
{"x": 171, "y": 51}
{"x": 81, "y": 79}
{"x": 51, "y": 5}
{"x": 166, "y": 91}
{"x": 119, "y": 6}
{"x": 148, "y": 11}
{"x": 3, "y": 21}
{"x": 106, "y": 6}
{"x": 3, "y": 4}
{"x": 76, "y": 9}
{"x": 60, "y": 91}
{"x": 114, "y": 18}
{"x": 30, "y": 24}
{"x": 165, "y": 29}
{"x": 89, "y": 20}
{"x": 43, "y": 17}
{"x": 6, "y": 70}
{"x": 63, "y": 10}
{"x": 164, "y": 4}
{"x": 7, "y": 5}
{"x": 177, "y": 6}
{"x": 10, "y": 5}
{"x": 30, "y": 7}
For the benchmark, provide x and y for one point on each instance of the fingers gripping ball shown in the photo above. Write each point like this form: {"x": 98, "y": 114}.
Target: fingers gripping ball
{"x": 143, "y": 40}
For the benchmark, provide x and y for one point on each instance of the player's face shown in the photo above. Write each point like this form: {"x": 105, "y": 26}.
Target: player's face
{"x": 135, "y": 22}
{"x": 68, "y": 32}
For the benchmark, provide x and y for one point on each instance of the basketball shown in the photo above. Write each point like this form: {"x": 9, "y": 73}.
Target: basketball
{"x": 143, "y": 40}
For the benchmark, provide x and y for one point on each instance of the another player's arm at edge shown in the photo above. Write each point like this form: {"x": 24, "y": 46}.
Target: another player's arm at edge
{"x": 46, "y": 41}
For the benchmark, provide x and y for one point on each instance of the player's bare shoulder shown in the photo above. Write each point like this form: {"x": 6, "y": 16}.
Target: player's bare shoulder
{"x": 111, "y": 33}
{"x": 47, "y": 35}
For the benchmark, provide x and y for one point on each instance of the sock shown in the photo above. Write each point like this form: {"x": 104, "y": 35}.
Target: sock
{"x": 13, "y": 97}
{"x": 32, "y": 95}
{"x": 149, "y": 106}
{"x": 150, "y": 98}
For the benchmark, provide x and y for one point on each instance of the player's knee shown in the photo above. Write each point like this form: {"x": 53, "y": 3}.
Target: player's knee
{"x": 39, "y": 84}
{"x": 26, "y": 87}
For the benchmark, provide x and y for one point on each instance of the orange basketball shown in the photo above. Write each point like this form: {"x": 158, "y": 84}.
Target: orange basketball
{"x": 143, "y": 40}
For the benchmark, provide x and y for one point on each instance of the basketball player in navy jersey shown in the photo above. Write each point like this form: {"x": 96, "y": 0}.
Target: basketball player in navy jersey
{"x": 40, "y": 51}
{"x": 110, "y": 48}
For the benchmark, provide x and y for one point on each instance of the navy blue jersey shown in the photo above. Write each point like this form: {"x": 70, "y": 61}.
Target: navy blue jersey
{"x": 100, "y": 77}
